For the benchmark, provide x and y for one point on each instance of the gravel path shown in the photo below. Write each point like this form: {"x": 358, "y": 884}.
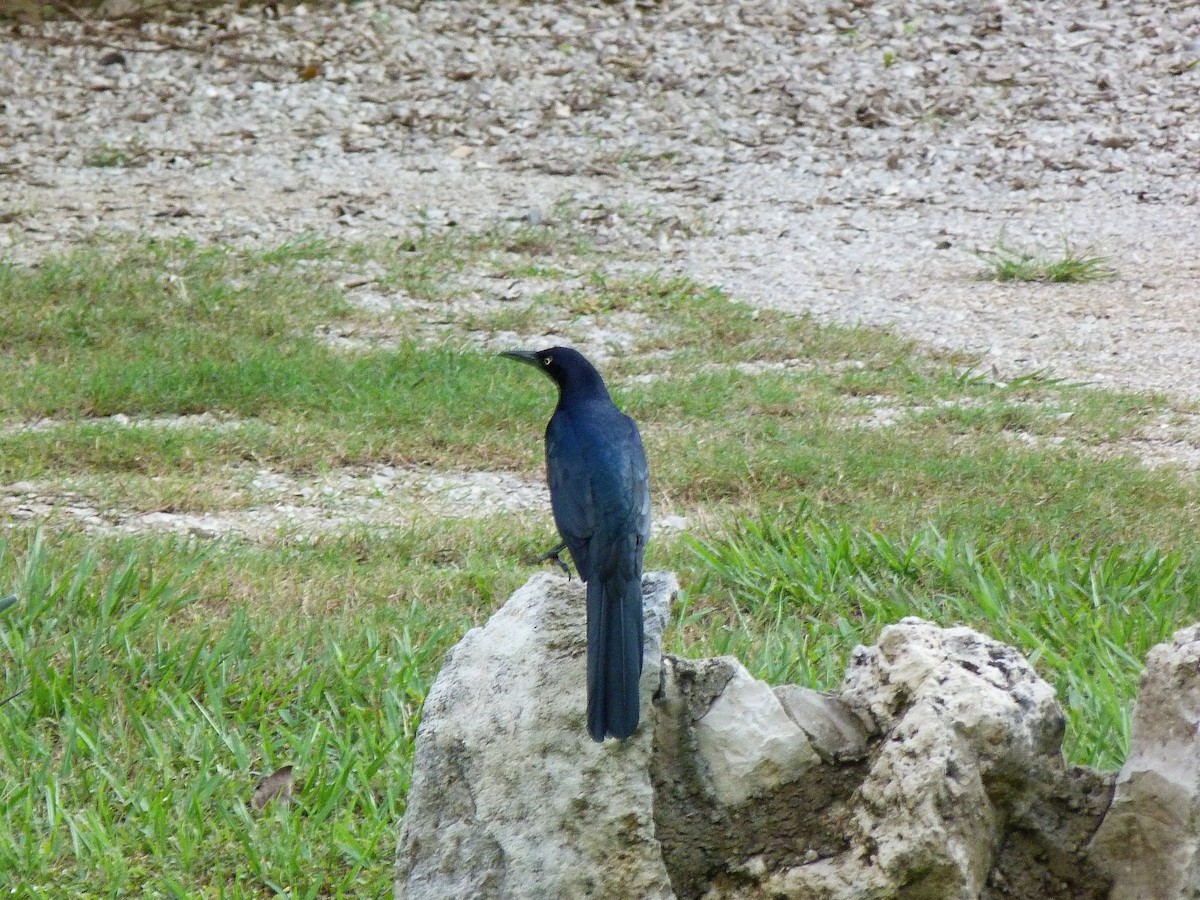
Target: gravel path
{"x": 840, "y": 158}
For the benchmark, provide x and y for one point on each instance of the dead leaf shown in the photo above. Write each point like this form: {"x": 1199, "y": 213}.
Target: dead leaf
{"x": 277, "y": 785}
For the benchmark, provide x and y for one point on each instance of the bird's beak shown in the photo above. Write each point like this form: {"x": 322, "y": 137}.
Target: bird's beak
{"x": 525, "y": 356}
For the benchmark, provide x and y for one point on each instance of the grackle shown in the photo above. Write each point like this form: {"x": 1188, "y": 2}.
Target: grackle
{"x": 600, "y": 494}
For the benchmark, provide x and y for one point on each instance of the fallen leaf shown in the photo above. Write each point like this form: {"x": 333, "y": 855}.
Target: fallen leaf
{"x": 277, "y": 785}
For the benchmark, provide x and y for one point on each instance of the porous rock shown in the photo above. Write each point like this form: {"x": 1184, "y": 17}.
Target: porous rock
{"x": 1150, "y": 839}
{"x": 936, "y": 772}
{"x": 962, "y": 788}
{"x": 510, "y": 797}
{"x": 969, "y": 732}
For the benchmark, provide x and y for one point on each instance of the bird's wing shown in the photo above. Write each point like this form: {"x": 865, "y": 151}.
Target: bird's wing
{"x": 640, "y": 477}
{"x": 570, "y": 490}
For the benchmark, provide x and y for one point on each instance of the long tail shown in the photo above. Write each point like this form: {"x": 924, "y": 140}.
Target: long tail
{"x": 614, "y": 656}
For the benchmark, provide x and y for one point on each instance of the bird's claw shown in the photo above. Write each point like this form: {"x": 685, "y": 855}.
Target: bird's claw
{"x": 553, "y": 554}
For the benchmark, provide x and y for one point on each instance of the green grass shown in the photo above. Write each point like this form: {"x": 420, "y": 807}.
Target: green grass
{"x": 1071, "y": 266}
{"x": 106, "y": 157}
{"x": 146, "y": 722}
{"x": 806, "y": 591}
{"x": 157, "y": 679}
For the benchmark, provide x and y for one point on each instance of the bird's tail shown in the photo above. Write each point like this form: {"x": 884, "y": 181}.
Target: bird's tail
{"x": 614, "y": 626}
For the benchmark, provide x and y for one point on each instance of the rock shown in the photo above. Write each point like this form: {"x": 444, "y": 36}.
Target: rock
{"x": 1046, "y": 854}
{"x": 748, "y": 741}
{"x": 936, "y": 772}
{"x": 510, "y": 797}
{"x": 719, "y": 842}
{"x": 969, "y": 737}
{"x": 1150, "y": 840}
{"x": 836, "y": 733}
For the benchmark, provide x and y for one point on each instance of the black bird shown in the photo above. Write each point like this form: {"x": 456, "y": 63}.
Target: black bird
{"x": 600, "y": 493}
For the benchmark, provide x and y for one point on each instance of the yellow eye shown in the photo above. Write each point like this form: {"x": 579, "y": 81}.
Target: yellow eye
{"x": 546, "y": 360}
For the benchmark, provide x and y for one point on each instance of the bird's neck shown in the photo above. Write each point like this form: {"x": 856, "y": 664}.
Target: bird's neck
{"x": 589, "y": 387}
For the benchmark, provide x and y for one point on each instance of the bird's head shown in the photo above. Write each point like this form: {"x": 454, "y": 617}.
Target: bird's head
{"x": 569, "y": 368}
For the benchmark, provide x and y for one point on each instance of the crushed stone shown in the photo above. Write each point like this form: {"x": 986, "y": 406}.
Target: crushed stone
{"x": 845, "y": 159}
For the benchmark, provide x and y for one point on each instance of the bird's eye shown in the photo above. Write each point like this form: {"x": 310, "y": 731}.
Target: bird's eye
{"x": 546, "y": 360}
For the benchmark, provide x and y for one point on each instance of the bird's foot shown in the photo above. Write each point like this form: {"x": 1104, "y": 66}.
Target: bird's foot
{"x": 553, "y": 554}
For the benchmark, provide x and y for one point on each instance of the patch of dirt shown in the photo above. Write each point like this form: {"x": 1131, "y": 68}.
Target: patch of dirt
{"x": 1170, "y": 440}
{"x": 279, "y": 504}
{"x": 120, "y": 420}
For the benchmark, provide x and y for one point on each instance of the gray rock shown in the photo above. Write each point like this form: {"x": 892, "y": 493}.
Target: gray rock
{"x": 722, "y": 843}
{"x": 935, "y": 773}
{"x": 969, "y": 734}
{"x": 836, "y": 733}
{"x": 510, "y": 797}
{"x": 748, "y": 742}
{"x": 1046, "y": 853}
{"x": 1150, "y": 840}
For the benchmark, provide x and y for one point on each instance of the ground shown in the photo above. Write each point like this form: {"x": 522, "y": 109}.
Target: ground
{"x": 840, "y": 158}
{"x": 848, "y": 160}
{"x": 253, "y": 268}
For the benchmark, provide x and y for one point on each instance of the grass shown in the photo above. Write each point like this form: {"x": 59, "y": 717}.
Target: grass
{"x": 808, "y": 591}
{"x": 1071, "y": 266}
{"x": 106, "y": 157}
{"x": 147, "y": 722}
{"x": 157, "y": 679}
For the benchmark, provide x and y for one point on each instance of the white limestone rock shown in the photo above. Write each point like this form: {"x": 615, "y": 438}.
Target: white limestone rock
{"x": 748, "y": 741}
{"x": 510, "y": 797}
{"x": 969, "y": 733}
{"x": 1149, "y": 841}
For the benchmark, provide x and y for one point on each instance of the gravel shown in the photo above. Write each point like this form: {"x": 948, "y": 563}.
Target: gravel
{"x": 842, "y": 158}
{"x": 846, "y": 159}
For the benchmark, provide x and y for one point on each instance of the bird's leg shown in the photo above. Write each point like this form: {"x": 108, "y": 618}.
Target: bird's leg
{"x": 553, "y": 554}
